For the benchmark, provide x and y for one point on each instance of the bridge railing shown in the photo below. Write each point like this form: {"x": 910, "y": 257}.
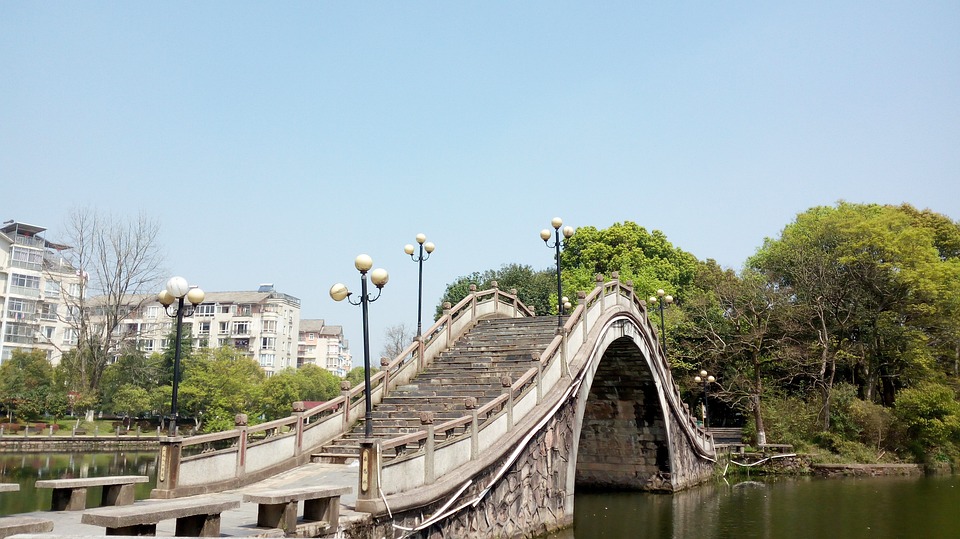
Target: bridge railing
{"x": 195, "y": 464}
{"x": 417, "y": 459}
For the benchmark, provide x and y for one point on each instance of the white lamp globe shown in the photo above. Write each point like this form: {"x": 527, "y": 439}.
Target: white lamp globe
{"x": 178, "y": 287}
{"x": 363, "y": 263}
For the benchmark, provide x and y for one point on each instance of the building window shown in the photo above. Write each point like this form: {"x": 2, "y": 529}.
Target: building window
{"x": 70, "y": 336}
{"x": 205, "y": 309}
{"x": 224, "y": 328}
{"x": 27, "y": 259}
{"x": 74, "y": 290}
{"x": 267, "y": 360}
{"x": 223, "y": 342}
{"x": 268, "y": 343}
{"x": 241, "y": 327}
{"x": 48, "y": 332}
{"x": 244, "y": 310}
{"x": 269, "y": 326}
{"x": 226, "y": 309}
{"x": 203, "y": 328}
{"x": 153, "y": 311}
{"x": 311, "y": 336}
{"x": 51, "y": 289}
{"x": 145, "y": 344}
{"x": 25, "y": 281}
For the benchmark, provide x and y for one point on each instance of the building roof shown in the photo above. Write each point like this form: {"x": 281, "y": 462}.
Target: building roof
{"x": 311, "y": 324}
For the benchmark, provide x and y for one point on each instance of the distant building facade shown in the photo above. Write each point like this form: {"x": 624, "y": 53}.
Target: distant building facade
{"x": 324, "y": 346}
{"x": 35, "y": 284}
{"x": 264, "y": 325}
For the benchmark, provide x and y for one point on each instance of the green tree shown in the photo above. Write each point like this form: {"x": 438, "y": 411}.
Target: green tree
{"x": 131, "y": 400}
{"x": 871, "y": 287}
{"x": 930, "y": 415}
{"x": 534, "y": 288}
{"x": 736, "y": 326}
{"x": 218, "y": 384}
{"x": 355, "y": 376}
{"x": 132, "y": 368}
{"x": 646, "y": 258}
{"x": 25, "y": 383}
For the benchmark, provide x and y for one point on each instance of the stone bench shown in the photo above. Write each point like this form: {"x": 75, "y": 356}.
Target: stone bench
{"x": 71, "y": 494}
{"x": 278, "y": 508}
{"x": 16, "y": 524}
{"x": 9, "y": 487}
{"x": 196, "y": 516}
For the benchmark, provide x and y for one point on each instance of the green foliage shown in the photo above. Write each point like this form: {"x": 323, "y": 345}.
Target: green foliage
{"x": 218, "y": 384}
{"x": 131, "y": 400}
{"x": 929, "y": 414}
{"x": 26, "y": 383}
{"x": 308, "y": 383}
{"x": 536, "y": 289}
{"x": 355, "y": 376}
{"x": 133, "y": 368}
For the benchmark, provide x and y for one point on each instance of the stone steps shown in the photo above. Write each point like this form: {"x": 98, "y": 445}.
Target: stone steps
{"x": 473, "y": 368}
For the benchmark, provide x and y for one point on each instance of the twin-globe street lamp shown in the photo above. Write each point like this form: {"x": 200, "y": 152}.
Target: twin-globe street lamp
{"x": 706, "y": 379}
{"x": 339, "y": 292}
{"x": 427, "y": 247}
{"x": 545, "y": 234}
{"x": 662, "y": 299}
{"x": 176, "y": 291}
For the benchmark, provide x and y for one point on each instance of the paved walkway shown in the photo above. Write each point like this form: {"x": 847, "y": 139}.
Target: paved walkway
{"x": 240, "y": 521}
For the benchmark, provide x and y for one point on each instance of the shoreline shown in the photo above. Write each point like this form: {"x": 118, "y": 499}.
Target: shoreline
{"x": 67, "y": 444}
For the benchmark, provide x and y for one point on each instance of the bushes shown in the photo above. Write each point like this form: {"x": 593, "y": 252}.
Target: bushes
{"x": 929, "y": 417}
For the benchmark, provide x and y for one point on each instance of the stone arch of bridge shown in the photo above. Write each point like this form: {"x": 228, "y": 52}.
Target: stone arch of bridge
{"x": 623, "y": 437}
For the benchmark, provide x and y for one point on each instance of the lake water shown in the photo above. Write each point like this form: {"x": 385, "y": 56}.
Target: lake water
{"x": 27, "y": 468}
{"x": 794, "y": 508}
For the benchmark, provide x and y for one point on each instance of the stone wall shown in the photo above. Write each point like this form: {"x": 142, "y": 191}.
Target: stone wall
{"x": 526, "y": 501}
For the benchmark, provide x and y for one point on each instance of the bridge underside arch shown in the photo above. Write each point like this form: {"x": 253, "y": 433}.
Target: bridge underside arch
{"x": 623, "y": 440}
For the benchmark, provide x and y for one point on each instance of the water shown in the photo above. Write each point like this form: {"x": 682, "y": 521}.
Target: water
{"x": 27, "y": 468}
{"x": 850, "y": 508}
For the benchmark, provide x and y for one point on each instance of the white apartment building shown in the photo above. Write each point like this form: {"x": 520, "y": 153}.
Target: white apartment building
{"x": 324, "y": 346}
{"x": 34, "y": 282}
{"x": 263, "y": 324}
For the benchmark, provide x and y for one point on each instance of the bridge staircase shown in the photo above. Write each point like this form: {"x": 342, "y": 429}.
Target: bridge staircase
{"x": 493, "y": 353}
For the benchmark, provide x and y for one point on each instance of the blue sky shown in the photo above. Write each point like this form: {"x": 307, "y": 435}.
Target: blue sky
{"x": 276, "y": 141}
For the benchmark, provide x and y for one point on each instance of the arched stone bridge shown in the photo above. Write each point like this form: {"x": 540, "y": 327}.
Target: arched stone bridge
{"x": 486, "y": 426}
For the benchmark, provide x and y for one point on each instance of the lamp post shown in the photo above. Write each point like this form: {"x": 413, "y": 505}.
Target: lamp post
{"x": 557, "y": 222}
{"x": 176, "y": 291}
{"x": 706, "y": 379}
{"x": 427, "y": 247}
{"x": 339, "y": 292}
{"x": 662, "y": 299}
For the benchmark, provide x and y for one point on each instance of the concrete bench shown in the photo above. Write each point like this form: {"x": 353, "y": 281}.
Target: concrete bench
{"x": 14, "y": 525}
{"x": 196, "y": 516}
{"x": 9, "y": 487}
{"x": 278, "y": 508}
{"x": 71, "y": 494}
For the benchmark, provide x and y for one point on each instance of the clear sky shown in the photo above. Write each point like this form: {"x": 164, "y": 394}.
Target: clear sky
{"x": 275, "y": 141}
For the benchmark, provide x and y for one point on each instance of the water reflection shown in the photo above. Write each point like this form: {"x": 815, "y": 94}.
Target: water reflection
{"x": 777, "y": 509}
{"x": 27, "y": 468}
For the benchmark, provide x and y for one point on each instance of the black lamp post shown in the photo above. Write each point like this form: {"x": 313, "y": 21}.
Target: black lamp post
{"x": 176, "y": 291}
{"x": 339, "y": 292}
{"x": 427, "y": 247}
{"x": 706, "y": 379}
{"x": 662, "y": 299}
{"x": 557, "y": 222}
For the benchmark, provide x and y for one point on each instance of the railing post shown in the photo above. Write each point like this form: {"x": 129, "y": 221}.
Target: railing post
{"x": 514, "y": 303}
{"x": 345, "y": 393}
{"x": 421, "y": 364}
{"x": 470, "y": 403}
{"x": 384, "y": 361}
{"x": 507, "y": 384}
{"x": 473, "y": 302}
{"x": 429, "y": 467}
{"x": 298, "y": 411}
{"x": 240, "y": 421}
{"x": 369, "y": 487}
{"x": 615, "y": 276}
{"x": 539, "y": 366}
{"x": 599, "y": 284}
{"x": 168, "y": 473}
{"x": 581, "y": 299}
{"x": 446, "y": 313}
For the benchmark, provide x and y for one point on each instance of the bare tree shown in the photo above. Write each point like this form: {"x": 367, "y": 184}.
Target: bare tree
{"x": 119, "y": 264}
{"x": 397, "y": 337}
